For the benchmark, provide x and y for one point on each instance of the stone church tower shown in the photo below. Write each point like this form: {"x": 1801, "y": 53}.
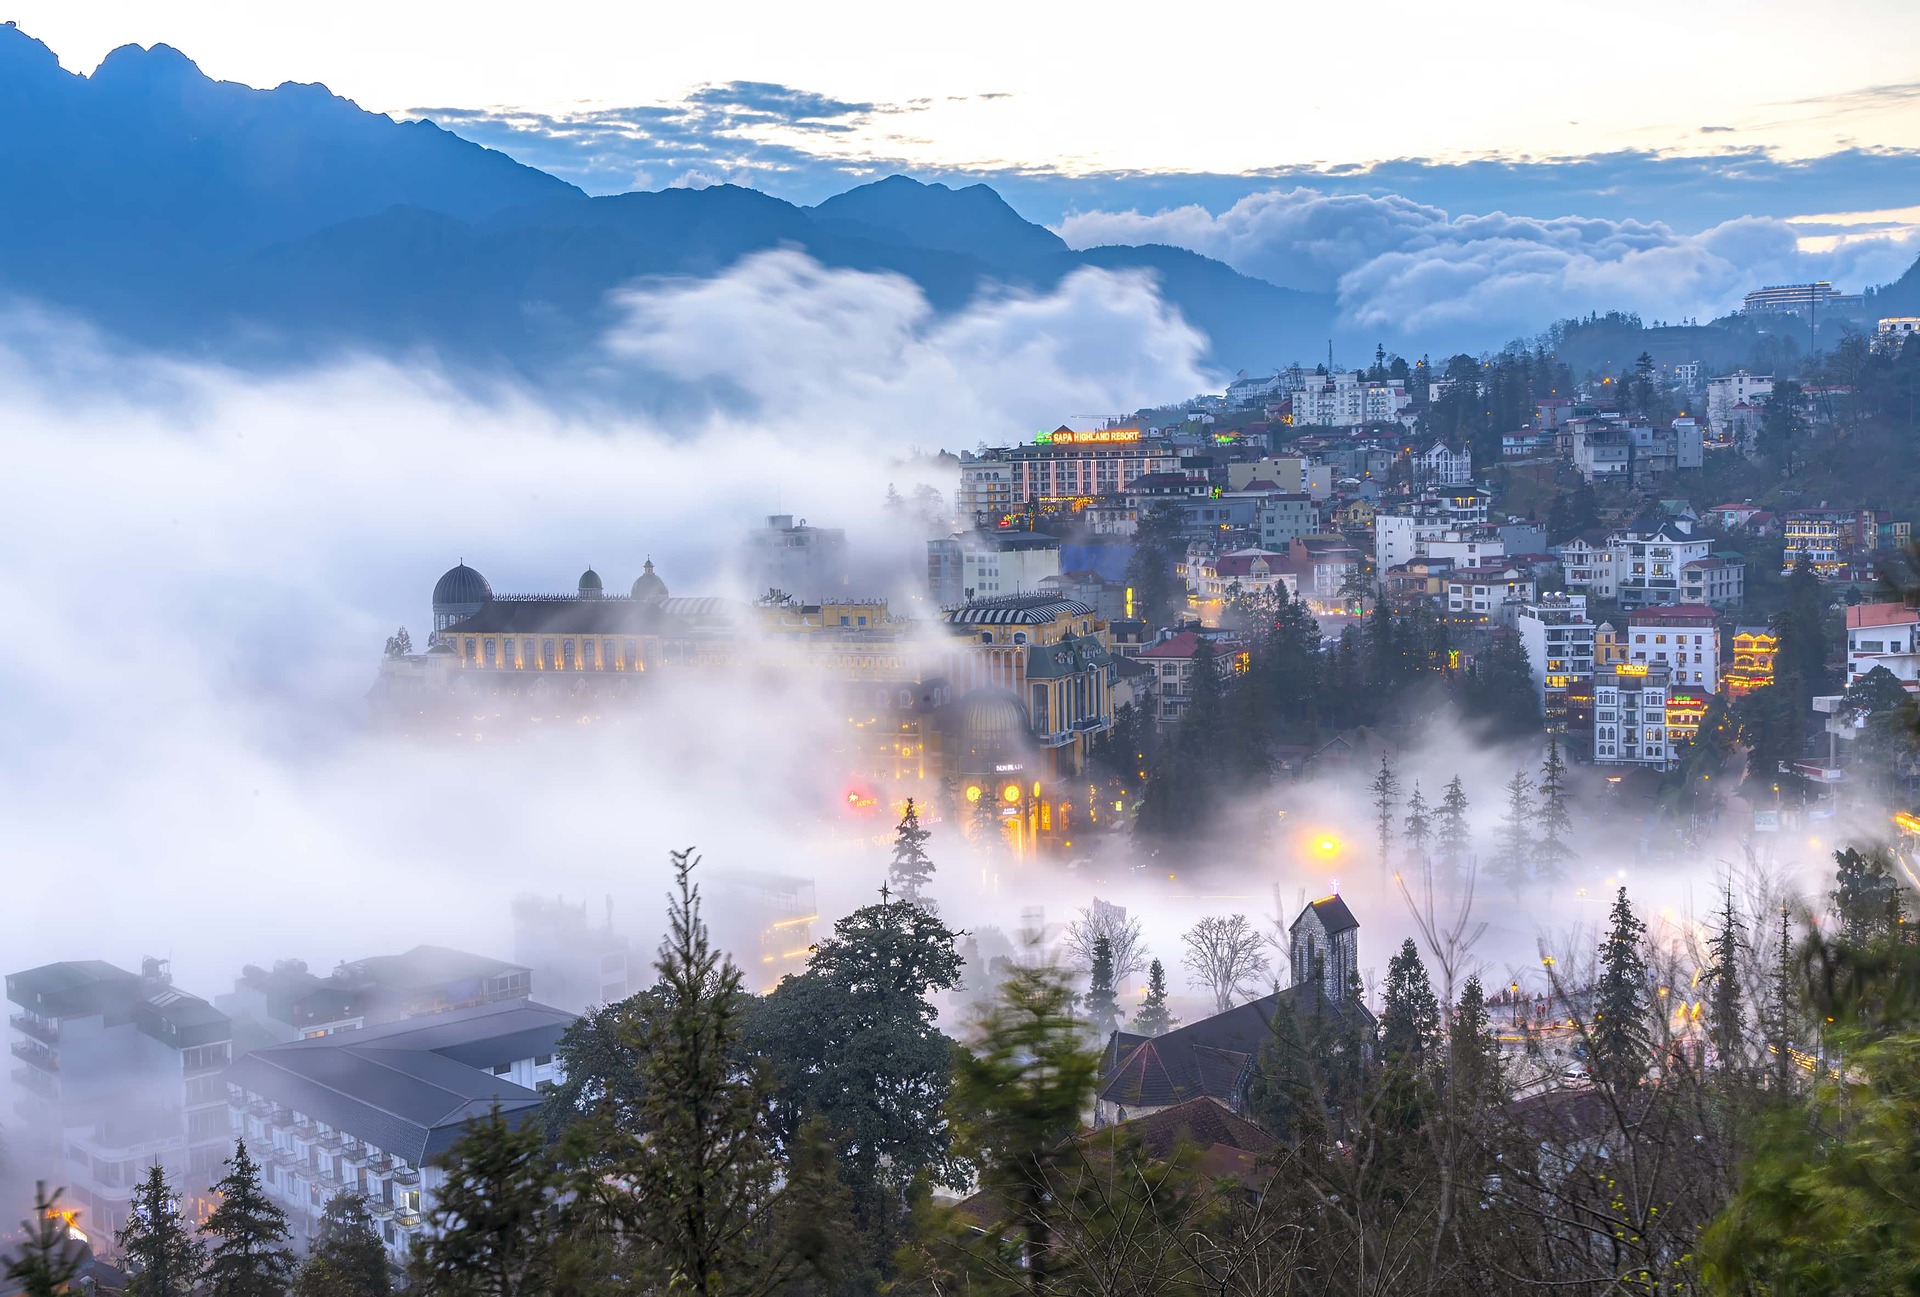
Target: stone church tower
{"x": 1326, "y": 948}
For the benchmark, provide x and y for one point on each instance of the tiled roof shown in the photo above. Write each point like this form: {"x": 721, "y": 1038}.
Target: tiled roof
{"x": 1182, "y": 645}
{"x": 1881, "y": 614}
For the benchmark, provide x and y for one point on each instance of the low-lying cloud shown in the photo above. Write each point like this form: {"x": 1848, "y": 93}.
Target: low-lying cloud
{"x": 1411, "y": 269}
{"x": 203, "y": 565}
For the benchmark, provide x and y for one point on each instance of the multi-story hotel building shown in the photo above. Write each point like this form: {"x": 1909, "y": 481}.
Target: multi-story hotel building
{"x": 113, "y": 1072}
{"x": 1683, "y": 638}
{"x": 1630, "y": 716}
{"x": 1060, "y": 468}
{"x": 1558, "y": 637}
{"x": 368, "y": 1111}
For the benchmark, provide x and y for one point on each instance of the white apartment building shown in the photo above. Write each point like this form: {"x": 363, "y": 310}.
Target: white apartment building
{"x": 114, "y": 1072}
{"x": 1345, "y": 400}
{"x": 1883, "y": 635}
{"x": 806, "y": 562}
{"x": 1479, "y": 593}
{"x": 368, "y": 1111}
{"x": 1647, "y": 564}
{"x": 1586, "y": 562}
{"x": 1601, "y": 452}
{"x": 1558, "y": 637}
{"x": 987, "y": 565}
{"x": 1729, "y": 390}
{"x": 1684, "y": 639}
{"x": 986, "y": 489}
{"x": 1630, "y": 716}
{"x": 1686, "y": 375}
{"x": 1437, "y": 529}
{"x": 1441, "y": 465}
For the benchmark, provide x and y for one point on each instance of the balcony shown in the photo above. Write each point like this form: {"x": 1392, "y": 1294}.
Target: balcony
{"x": 35, "y": 1055}
{"x": 355, "y": 1152}
{"x": 407, "y": 1219}
{"x": 39, "y": 1028}
{"x": 408, "y": 1178}
{"x": 333, "y": 1141}
{"x": 380, "y": 1210}
{"x": 282, "y": 1119}
{"x": 35, "y": 1081}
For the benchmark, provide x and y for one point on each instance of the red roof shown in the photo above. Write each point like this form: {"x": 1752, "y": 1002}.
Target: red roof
{"x": 1881, "y": 614}
{"x": 1182, "y": 645}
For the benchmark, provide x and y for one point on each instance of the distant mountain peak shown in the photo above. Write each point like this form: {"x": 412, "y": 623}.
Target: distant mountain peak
{"x": 151, "y": 64}
{"x": 974, "y": 220}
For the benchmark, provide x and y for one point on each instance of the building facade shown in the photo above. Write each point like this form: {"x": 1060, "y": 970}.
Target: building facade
{"x": 809, "y": 562}
{"x": 369, "y": 1111}
{"x": 1558, "y": 636}
{"x": 1883, "y": 635}
{"x": 1630, "y": 716}
{"x": 1683, "y": 638}
{"x": 990, "y": 564}
{"x": 114, "y": 1072}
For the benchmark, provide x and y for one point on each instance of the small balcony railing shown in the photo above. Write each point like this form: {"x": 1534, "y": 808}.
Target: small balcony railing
{"x": 39, "y": 1028}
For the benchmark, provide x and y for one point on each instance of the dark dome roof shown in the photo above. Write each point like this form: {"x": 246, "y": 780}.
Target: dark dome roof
{"x": 461, "y": 585}
{"x": 590, "y": 581}
{"x": 649, "y": 586}
{"x": 988, "y": 715}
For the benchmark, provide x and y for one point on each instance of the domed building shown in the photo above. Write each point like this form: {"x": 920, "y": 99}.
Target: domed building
{"x": 993, "y": 731}
{"x": 648, "y": 587}
{"x": 458, "y": 595}
{"x": 590, "y": 586}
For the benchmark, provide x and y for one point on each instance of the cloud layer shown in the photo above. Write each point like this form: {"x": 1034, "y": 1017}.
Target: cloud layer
{"x": 204, "y": 564}
{"x": 1411, "y": 269}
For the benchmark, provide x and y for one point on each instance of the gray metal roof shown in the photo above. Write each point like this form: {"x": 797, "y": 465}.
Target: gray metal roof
{"x": 409, "y": 1087}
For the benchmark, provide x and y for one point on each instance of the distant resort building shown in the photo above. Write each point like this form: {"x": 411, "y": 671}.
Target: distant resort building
{"x": 1003, "y": 698}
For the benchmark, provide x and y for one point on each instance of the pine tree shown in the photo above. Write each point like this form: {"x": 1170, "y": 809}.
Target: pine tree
{"x": 1866, "y": 896}
{"x": 494, "y": 1229}
{"x": 1418, "y": 826}
{"x": 1019, "y": 1094}
{"x": 1620, "y": 1044}
{"x": 1153, "y": 1018}
{"x": 1386, "y": 790}
{"x": 1554, "y": 848}
{"x": 1472, "y": 1051}
{"x": 1455, "y": 835}
{"x": 248, "y": 1256}
{"x": 1102, "y": 1006}
{"x": 48, "y": 1257}
{"x": 704, "y": 1179}
{"x": 984, "y": 820}
{"x": 1726, "y": 1016}
{"x": 1410, "y": 1013}
{"x": 347, "y": 1259}
{"x": 1782, "y": 1005}
{"x": 1513, "y": 852}
{"x": 912, "y": 868}
{"x": 163, "y": 1256}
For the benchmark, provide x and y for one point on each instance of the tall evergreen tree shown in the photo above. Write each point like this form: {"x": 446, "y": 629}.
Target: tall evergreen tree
{"x": 1410, "y": 1013}
{"x": 1619, "y": 1037}
{"x": 495, "y": 1229}
{"x": 346, "y": 1259}
{"x": 853, "y": 1044}
{"x": 1455, "y": 835}
{"x": 1153, "y": 1017}
{"x": 48, "y": 1256}
{"x": 1473, "y": 1052}
{"x": 1554, "y": 848}
{"x": 911, "y": 869}
{"x": 1513, "y": 849}
{"x": 1783, "y": 1017}
{"x": 162, "y": 1255}
{"x": 1102, "y": 1005}
{"x": 1019, "y": 1095}
{"x": 1154, "y": 591}
{"x": 1726, "y": 1016}
{"x": 1385, "y": 788}
{"x": 1418, "y": 826}
{"x": 1866, "y": 896}
{"x": 704, "y": 1180}
{"x": 247, "y": 1254}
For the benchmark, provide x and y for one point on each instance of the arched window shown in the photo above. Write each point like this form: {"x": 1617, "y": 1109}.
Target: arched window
{"x": 1019, "y": 637}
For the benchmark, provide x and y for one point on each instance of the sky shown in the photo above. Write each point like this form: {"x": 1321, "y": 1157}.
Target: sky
{"x": 1159, "y": 109}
